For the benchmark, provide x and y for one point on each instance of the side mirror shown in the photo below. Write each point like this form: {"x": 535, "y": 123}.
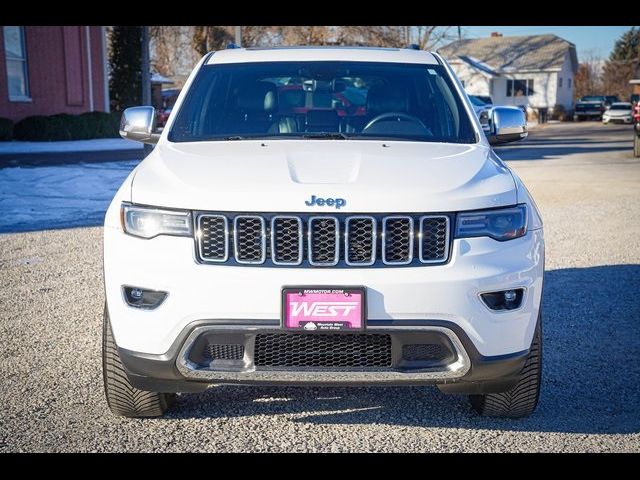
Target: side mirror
{"x": 508, "y": 124}
{"x": 138, "y": 123}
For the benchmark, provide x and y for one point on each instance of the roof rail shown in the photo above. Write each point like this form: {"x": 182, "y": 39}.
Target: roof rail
{"x": 414, "y": 46}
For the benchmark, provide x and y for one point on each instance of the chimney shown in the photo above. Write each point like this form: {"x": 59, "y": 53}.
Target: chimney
{"x": 496, "y": 34}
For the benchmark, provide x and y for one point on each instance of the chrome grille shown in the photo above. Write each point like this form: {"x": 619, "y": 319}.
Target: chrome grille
{"x": 342, "y": 240}
{"x": 249, "y": 237}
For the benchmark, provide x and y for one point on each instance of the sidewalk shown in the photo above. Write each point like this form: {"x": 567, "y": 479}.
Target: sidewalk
{"x": 14, "y": 154}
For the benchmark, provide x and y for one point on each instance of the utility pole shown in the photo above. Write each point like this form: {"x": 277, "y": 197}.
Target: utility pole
{"x": 146, "y": 77}
{"x": 146, "y": 74}
{"x": 238, "y": 36}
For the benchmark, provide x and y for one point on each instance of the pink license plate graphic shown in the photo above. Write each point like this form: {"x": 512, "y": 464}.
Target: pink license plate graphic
{"x": 323, "y": 310}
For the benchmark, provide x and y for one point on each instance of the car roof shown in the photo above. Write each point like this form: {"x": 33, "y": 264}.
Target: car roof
{"x": 354, "y": 54}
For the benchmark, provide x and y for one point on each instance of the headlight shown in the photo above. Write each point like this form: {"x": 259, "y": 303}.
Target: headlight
{"x": 501, "y": 224}
{"x": 147, "y": 222}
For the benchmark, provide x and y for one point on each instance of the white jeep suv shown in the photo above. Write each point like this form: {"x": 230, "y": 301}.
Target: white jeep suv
{"x": 323, "y": 216}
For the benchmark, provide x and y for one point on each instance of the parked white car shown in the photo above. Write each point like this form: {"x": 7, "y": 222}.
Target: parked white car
{"x": 276, "y": 236}
{"x": 619, "y": 112}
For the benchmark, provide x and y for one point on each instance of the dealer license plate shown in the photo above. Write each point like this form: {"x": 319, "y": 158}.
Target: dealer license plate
{"x": 323, "y": 309}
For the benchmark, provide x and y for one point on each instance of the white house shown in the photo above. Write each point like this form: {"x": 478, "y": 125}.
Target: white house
{"x": 535, "y": 71}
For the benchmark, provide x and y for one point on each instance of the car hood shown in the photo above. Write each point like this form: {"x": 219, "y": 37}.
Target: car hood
{"x": 281, "y": 175}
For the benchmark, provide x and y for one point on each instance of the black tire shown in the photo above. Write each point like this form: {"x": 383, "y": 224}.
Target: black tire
{"x": 123, "y": 398}
{"x": 636, "y": 145}
{"x": 522, "y": 399}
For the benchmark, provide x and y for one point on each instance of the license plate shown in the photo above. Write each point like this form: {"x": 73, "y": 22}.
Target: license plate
{"x": 323, "y": 309}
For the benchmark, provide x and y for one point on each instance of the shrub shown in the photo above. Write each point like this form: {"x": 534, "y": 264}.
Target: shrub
{"x": 32, "y": 128}
{"x": 6, "y": 129}
{"x": 64, "y": 126}
{"x": 102, "y": 124}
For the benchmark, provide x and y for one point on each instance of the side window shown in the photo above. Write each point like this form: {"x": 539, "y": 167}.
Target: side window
{"x": 15, "y": 52}
{"x": 519, "y": 88}
{"x": 559, "y": 82}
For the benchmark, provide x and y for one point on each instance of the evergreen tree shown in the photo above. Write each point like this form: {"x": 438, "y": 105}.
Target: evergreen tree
{"x": 627, "y": 47}
{"x": 622, "y": 65}
{"x": 125, "y": 84}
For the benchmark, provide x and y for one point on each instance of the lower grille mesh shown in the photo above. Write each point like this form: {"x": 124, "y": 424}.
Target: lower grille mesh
{"x": 319, "y": 350}
{"x": 425, "y": 352}
{"x": 224, "y": 351}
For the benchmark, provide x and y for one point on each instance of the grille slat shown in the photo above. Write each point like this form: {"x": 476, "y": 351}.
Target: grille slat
{"x": 286, "y": 240}
{"x": 365, "y": 350}
{"x": 397, "y": 242}
{"x": 434, "y": 238}
{"x": 360, "y": 240}
{"x": 214, "y": 238}
{"x": 323, "y": 241}
{"x": 250, "y": 239}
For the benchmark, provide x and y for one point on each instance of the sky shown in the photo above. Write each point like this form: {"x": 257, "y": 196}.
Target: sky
{"x": 589, "y": 41}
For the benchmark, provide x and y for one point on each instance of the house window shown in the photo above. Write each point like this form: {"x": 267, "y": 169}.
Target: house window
{"x": 519, "y": 88}
{"x": 568, "y": 83}
{"x": 559, "y": 82}
{"x": 16, "y": 59}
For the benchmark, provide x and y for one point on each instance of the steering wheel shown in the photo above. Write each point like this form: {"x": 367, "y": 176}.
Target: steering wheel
{"x": 399, "y": 115}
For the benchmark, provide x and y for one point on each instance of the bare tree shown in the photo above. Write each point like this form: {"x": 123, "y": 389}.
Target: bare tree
{"x": 208, "y": 38}
{"x": 588, "y": 79}
{"x": 426, "y": 37}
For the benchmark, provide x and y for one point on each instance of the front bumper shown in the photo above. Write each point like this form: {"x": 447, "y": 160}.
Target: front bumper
{"x": 608, "y": 119}
{"x": 464, "y": 370}
{"x": 449, "y": 292}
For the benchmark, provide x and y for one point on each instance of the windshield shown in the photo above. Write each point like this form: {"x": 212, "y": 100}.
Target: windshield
{"x": 592, "y": 98}
{"x": 621, "y": 107}
{"x": 322, "y": 100}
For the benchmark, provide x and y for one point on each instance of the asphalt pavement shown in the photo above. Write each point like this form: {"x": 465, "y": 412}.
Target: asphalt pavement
{"x": 586, "y": 183}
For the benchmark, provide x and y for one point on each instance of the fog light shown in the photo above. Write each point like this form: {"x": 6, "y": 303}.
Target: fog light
{"x": 503, "y": 300}
{"x": 141, "y": 298}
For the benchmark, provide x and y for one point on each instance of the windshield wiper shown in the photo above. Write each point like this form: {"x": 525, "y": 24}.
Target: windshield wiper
{"x": 235, "y": 137}
{"x": 327, "y": 135}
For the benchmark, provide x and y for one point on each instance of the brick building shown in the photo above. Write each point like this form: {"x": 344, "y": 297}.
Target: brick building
{"x": 46, "y": 70}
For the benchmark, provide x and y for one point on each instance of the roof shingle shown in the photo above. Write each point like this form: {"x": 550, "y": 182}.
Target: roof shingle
{"x": 513, "y": 54}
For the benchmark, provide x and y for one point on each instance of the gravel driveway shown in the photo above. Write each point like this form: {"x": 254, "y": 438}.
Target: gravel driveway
{"x": 587, "y": 186}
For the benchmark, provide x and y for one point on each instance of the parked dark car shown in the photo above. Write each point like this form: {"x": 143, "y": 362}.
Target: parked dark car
{"x": 611, "y": 99}
{"x": 590, "y": 107}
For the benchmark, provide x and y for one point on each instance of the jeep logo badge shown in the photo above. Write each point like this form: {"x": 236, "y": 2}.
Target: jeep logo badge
{"x": 329, "y": 202}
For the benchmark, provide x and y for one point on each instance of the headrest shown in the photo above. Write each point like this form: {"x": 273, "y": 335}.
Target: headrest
{"x": 387, "y": 98}
{"x": 258, "y": 97}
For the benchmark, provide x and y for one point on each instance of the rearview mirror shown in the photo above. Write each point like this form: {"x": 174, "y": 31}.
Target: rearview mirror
{"x": 508, "y": 124}
{"x": 138, "y": 123}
